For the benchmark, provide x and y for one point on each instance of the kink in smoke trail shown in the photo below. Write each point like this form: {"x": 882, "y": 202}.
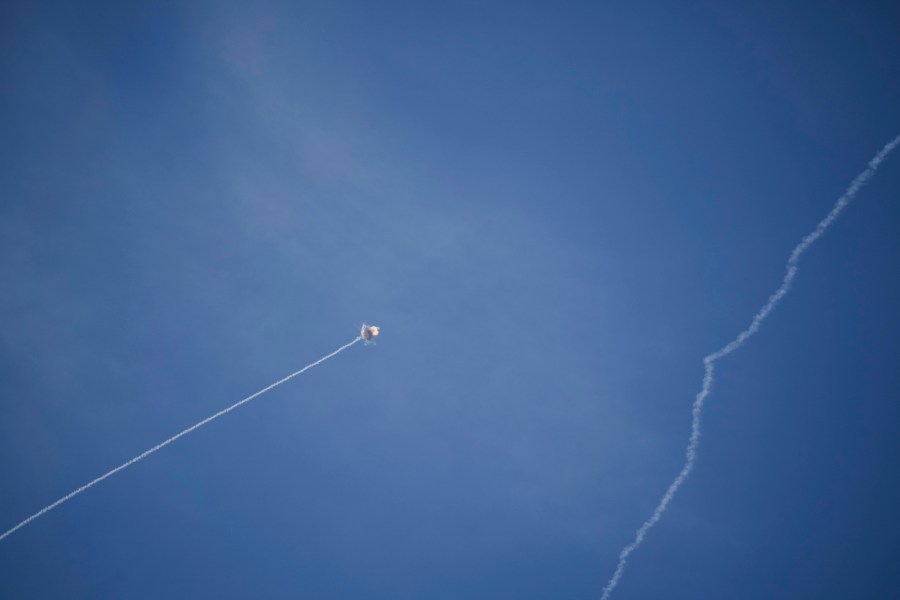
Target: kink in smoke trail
{"x": 710, "y": 360}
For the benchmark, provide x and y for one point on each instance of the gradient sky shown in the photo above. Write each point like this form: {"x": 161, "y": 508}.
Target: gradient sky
{"x": 554, "y": 210}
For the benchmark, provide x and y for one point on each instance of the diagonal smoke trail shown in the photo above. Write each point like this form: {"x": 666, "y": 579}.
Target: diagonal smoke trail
{"x": 710, "y": 360}
{"x": 147, "y": 453}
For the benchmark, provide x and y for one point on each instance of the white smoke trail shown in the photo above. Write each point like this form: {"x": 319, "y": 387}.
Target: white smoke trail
{"x": 143, "y": 455}
{"x": 710, "y": 360}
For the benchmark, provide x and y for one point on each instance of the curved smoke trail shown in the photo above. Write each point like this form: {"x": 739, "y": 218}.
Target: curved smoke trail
{"x": 710, "y": 360}
{"x": 147, "y": 453}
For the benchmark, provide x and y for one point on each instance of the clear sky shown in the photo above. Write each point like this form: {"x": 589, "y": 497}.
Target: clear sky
{"x": 554, "y": 210}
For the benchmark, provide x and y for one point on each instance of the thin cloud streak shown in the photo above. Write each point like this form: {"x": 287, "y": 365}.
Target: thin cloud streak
{"x": 710, "y": 360}
{"x": 165, "y": 443}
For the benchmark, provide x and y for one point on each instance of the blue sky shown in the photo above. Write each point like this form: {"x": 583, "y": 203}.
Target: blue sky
{"x": 553, "y": 210}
